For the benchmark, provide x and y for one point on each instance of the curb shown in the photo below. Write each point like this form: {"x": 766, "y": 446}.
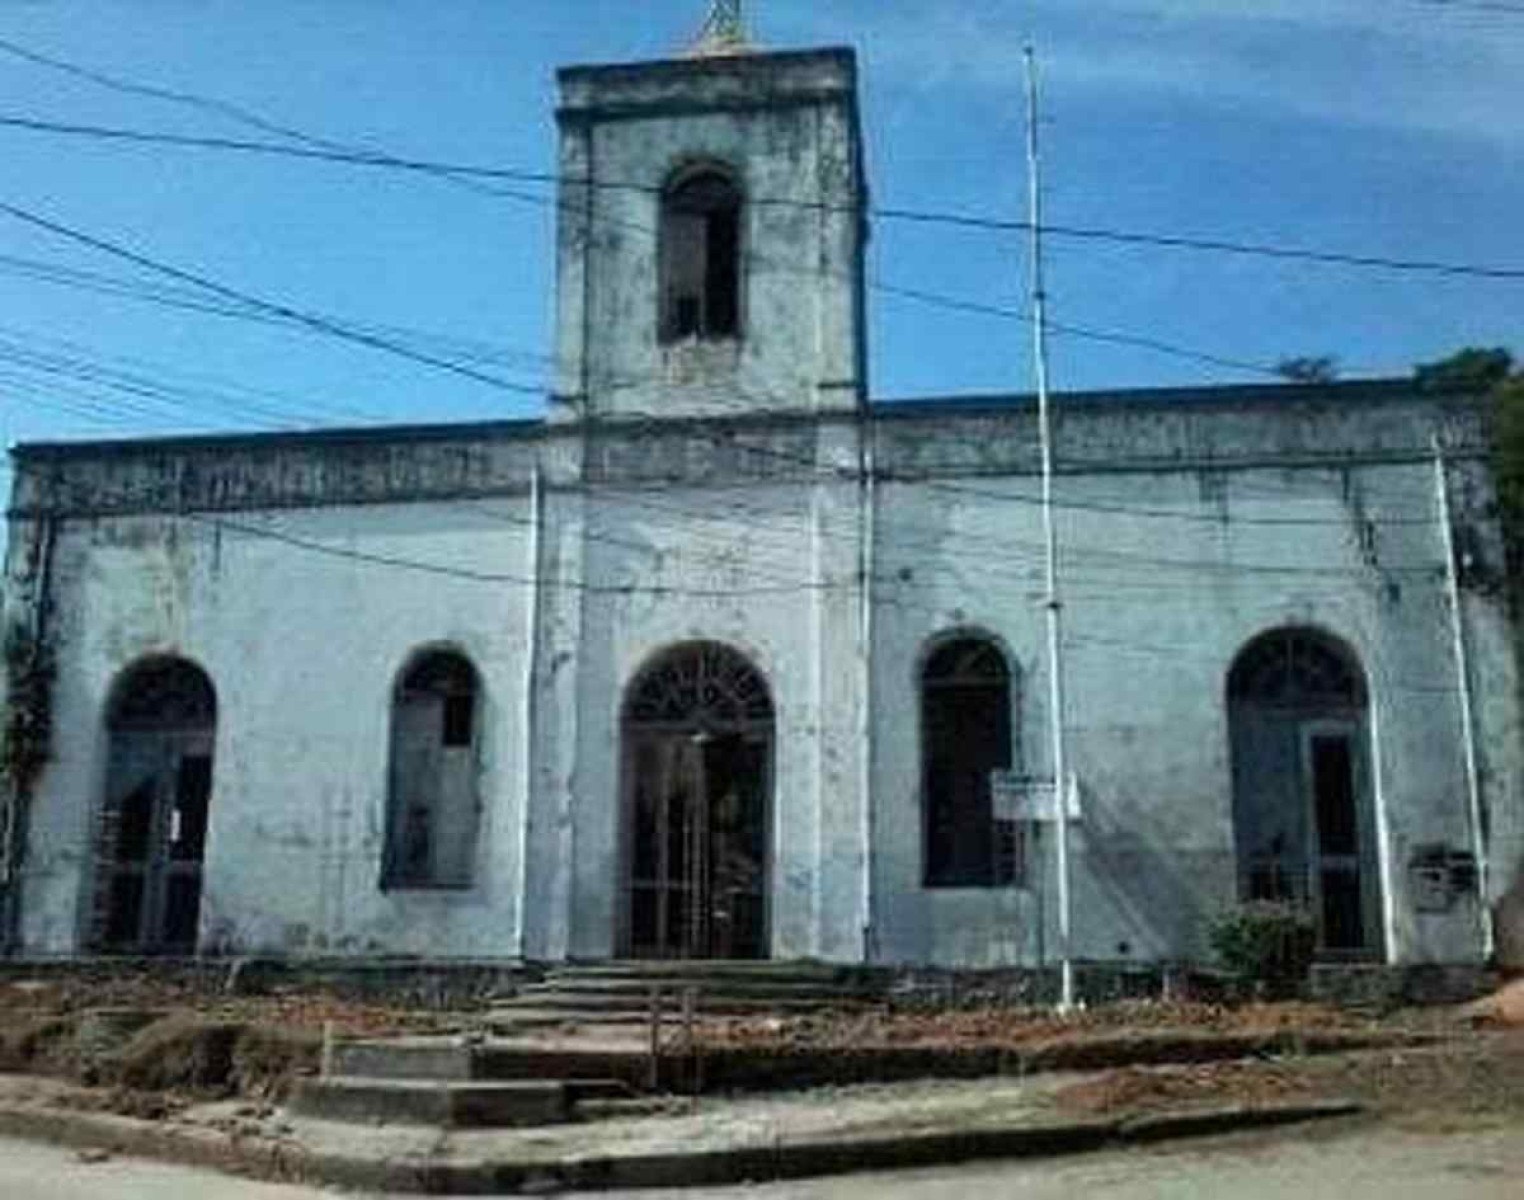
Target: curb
{"x": 283, "y": 1161}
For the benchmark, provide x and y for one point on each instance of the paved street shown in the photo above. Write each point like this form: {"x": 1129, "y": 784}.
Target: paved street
{"x": 30, "y": 1171}
{"x": 1370, "y": 1165}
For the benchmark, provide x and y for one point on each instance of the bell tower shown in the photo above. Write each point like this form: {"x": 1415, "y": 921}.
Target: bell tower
{"x": 711, "y": 231}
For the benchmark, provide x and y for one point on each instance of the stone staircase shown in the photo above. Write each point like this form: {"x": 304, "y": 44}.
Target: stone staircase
{"x": 576, "y": 1043}
{"x": 456, "y": 1082}
{"x": 624, "y": 993}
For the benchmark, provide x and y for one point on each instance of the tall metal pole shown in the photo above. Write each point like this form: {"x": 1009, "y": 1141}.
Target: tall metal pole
{"x": 1463, "y": 690}
{"x": 868, "y": 498}
{"x": 1050, "y": 539}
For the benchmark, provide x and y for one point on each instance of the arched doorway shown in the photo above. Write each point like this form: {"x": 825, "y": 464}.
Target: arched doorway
{"x": 1303, "y": 812}
{"x": 697, "y": 784}
{"x": 162, "y": 722}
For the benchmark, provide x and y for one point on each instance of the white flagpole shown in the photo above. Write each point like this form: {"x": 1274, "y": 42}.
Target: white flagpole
{"x": 1050, "y": 536}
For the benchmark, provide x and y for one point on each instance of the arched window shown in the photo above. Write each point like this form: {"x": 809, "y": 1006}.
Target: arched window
{"x": 966, "y": 734}
{"x": 162, "y": 723}
{"x": 432, "y": 806}
{"x": 701, "y": 258}
{"x": 1303, "y": 813}
{"x": 1296, "y": 669}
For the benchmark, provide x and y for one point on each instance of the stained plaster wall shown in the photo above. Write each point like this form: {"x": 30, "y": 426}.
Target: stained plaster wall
{"x": 1168, "y": 571}
{"x": 303, "y": 650}
{"x": 683, "y": 535}
{"x": 742, "y": 591}
{"x": 750, "y": 547}
{"x": 1187, "y": 528}
{"x": 784, "y": 126}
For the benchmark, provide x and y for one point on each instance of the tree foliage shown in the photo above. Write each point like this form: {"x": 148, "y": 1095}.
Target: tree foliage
{"x": 1487, "y": 375}
{"x": 1476, "y": 369}
{"x": 1508, "y": 466}
{"x": 1320, "y": 368}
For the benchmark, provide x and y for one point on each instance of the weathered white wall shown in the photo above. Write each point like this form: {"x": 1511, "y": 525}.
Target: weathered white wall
{"x": 1192, "y": 521}
{"x": 652, "y": 538}
{"x": 735, "y": 566}
{"x": 1166, "y": 577}
{"x": 786, "y": 126}
{"x": 303, "y": 649}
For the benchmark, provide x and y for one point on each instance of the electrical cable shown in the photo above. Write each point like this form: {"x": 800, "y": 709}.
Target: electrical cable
{"x": 464, "y": 173}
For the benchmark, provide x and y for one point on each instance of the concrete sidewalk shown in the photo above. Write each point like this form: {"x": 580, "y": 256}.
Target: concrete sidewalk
{"x": 712, "y": 1141}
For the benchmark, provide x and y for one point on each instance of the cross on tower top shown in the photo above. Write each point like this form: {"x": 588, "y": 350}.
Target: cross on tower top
{"x": 723, "y": 32}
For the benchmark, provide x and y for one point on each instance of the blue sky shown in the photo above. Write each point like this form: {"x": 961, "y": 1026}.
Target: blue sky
{"x": 1375, "y": 127}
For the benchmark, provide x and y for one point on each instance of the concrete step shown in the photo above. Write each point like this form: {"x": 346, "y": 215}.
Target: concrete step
{"x": 519, "y": 1020}
{"x": 451, "y": 1103}
{"x": 446, "y": 1060}
{"x": 658, "y": 970}
{"x": 595, "y": 1004}
{"x": 596, "y": 990}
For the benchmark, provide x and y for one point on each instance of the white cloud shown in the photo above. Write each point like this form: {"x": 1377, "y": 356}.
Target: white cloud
{"x": 1403, "y": 64}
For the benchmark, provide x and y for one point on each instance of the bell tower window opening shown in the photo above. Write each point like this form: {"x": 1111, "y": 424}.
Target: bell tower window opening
{"x": 701, "y": 258}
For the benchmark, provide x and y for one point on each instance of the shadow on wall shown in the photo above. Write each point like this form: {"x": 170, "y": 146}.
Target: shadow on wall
{"x": 1156, "y": 894}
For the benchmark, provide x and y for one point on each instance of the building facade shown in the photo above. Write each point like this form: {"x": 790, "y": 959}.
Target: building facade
{"x": 719, "y": 658}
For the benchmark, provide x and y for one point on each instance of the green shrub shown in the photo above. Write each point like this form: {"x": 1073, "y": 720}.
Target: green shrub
{"x": 1267, "y": 944}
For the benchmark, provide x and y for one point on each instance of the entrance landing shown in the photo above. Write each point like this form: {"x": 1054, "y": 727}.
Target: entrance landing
{"x": 626, "y": 993}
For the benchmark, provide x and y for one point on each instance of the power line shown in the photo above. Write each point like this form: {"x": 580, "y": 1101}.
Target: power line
{"x": 327, "y": 148}
{"x": 260, "y": 310}
{"x": 1216, "y": 245}
{"x": 1479, "y": 6}
{"x": 125, "y": 373}
{"x": 311, "y": 320}
{"x": 193, "y": 300}
{"x": 138, "y": 383}
{"x": 221, "y": 108}
{"x": 339, "y": 330}
{"x": 498, "y": 577}
{"x": 460, "y": 172}
{"x": 1000, "y": 547}
{"x": 323, "y": 148}
{"x": 1067, "y": 329}
{"x": 730, "y": 439}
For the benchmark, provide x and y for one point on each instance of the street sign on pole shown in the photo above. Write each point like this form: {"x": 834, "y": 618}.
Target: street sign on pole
{"x": 1018, "y": 797}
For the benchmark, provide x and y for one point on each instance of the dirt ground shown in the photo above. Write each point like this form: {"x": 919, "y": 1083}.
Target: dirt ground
{"x": 1470, "y": 1076}
{"x": 293, "y": 1007}
{"x": 1014, "y": 1028}
{"x": 190, "y": 1040}
{"x": 209, "y": 1043}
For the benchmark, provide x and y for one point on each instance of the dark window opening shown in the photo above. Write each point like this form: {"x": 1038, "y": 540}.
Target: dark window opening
{"x": 432, "y": 807}
{"x": 1343, "y": 924}
{"x": 1333, "y": 787}
{"x": 134, "y": 831}
{"x": 966, "y": 734}
{"x": 182, "y": 909}
{"x": 124, "y": 916}
{"x": 459, "y": 717}
{"x": 701, "y": 253}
